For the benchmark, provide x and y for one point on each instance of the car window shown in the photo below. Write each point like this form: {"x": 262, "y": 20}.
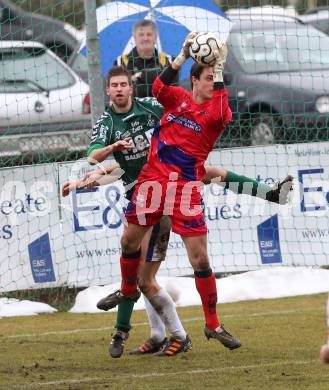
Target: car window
{"x": 80, "y": 63}
{"x": 322, "y": 25}
{"x": 11, "y": 85}
{"x": 295, "y": 48}
{"x": 31, "y": 69}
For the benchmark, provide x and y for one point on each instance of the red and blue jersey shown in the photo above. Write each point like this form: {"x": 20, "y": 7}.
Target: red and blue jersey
{"x": 186, "y": 133}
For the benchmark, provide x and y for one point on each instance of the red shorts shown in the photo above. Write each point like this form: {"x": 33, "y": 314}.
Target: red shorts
{"x": 181, "y": 201}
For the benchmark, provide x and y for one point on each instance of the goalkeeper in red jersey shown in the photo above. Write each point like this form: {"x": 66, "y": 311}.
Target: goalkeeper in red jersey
{"x": 170, "y": 184}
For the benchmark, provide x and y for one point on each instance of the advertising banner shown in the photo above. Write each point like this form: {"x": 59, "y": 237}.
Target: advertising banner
{"x": 75, "y": 240}
{"x": 29, "y": 227}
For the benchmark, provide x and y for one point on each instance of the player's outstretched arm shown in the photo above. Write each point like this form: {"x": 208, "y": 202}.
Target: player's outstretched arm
{"x": 101, "y": 177}
{"x": 88, "y": 182}
{"x": 71, "y": 186}
{"x": 240, "y": 184}
{"x": 162, "y": 90}
{"x": 98, "y": 177}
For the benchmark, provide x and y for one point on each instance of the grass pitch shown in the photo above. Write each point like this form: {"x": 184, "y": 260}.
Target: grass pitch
{"x": 280, "y": 338}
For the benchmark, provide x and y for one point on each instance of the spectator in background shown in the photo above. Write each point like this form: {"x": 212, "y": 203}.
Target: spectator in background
{"x": 144, "y": 62}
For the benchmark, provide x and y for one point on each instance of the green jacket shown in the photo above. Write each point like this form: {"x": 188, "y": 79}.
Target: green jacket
{"x": 149, "y": 69}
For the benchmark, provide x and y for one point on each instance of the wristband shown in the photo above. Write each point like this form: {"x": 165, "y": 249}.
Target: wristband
{"x": 168, "y": 75}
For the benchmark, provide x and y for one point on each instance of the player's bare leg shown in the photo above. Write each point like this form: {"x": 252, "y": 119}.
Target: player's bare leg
{"x": 148, "y": 269}
{"x": 205, "y": 282}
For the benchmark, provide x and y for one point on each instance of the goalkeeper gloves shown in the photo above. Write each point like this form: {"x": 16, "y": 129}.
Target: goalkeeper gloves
{"x": 218, "y": 68}
{"x": 185, "y": 52}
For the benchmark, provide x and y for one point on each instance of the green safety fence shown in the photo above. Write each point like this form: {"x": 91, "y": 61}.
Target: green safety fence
{"x": 276, "y": 74}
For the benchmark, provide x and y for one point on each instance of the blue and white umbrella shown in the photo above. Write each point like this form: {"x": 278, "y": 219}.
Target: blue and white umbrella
{"x": 174, "y": 19}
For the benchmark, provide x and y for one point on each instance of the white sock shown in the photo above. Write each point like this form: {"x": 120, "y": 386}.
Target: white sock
{"x": 165, "y": 307}
{"x": 158, "y": 329}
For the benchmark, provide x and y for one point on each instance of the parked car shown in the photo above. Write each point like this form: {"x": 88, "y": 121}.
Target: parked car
{"x": 43, "y": 103}
{"x": 272, "y": 11}
{"x": 79, "y": 63}
{"x": 277, "y": 75}
{"x": 316, "y": 10}
{"x": 318, "y": 19}
{"x": 17, "y": 24}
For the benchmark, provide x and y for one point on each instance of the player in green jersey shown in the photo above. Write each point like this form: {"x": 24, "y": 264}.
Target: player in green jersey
{"x": 124, "y": 130}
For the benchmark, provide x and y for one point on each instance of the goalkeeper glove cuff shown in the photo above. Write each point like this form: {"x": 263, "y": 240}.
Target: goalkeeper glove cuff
{"x": 180, "y": 59}
{"x": 218, "y": 75}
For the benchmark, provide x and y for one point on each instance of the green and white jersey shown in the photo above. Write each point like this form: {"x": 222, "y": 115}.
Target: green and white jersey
{"x": 138, "y": 123}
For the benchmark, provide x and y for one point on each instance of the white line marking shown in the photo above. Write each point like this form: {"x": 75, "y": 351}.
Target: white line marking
{"x": 187, "y": 320}
{"x": 157, "y": 374}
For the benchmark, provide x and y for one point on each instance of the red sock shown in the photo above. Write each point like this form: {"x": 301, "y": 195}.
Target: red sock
{"x": 206, "y": 285}
{"x": 129, "y": 269}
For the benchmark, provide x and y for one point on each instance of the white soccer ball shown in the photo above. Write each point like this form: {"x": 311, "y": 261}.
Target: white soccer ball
{"x": 203, "y": 46}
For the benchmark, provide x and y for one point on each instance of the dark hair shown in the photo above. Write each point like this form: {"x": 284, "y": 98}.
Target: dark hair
{"x": 145, "y": 23}
{"x": 118, "y": 71}
{"x": 196, "y": 71}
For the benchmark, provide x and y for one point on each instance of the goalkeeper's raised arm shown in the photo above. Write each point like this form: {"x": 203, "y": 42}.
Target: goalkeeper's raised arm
{"x": 163, "y": 90}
